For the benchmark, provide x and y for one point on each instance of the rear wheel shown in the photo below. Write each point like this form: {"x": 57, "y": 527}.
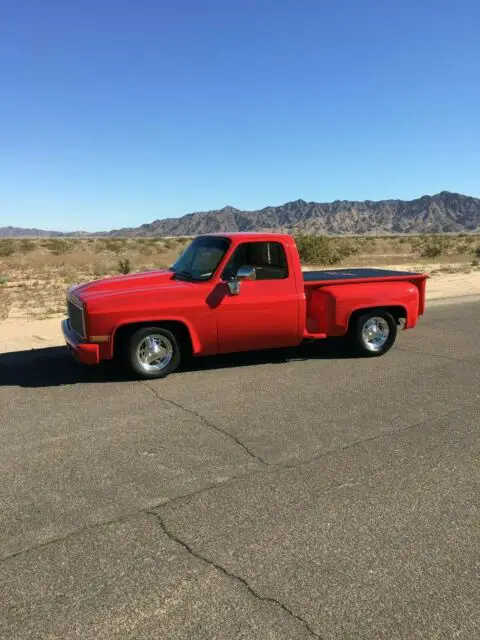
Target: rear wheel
{"x": 153, "y": 352}
{"x": 373, "y": 333}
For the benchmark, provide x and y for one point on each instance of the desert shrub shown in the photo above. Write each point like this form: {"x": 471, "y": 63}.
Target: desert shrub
{"x": 7, "y": 247}
{"x": 431, "y": 251}
{"x": 182, "y": 240}
{"x": 56, "y": 246}
{"x": 115, "y": 245}
{"x": 169, "y": 243}
{"x": 159, "y": 248}
{"x": 434, "y": 246}
{"x": 317, "y": 250}
{"x": 26, "y": 246}
{"x": 145, "y": 248}
{"x": 124, "y": 266}
{"x": 99, "y": 270}
{"x": 5, "y": 303}
{"x": 477, "y": 252}
{"x": 366, "y": 245}
{"x": 66, "y": 273}
{"x": 3, "y": 280}
{"x": 416, "y": 242}
{"x": 346, "y": 248}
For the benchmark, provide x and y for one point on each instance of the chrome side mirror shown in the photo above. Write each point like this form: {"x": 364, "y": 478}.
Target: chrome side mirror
{"x": 243, "y": 273}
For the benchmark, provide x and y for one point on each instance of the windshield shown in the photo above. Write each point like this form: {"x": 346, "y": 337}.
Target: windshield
{"x": 201, "y": 258}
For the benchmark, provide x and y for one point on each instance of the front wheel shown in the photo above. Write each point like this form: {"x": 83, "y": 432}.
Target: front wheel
{"x": 153, "y": 352}
{"x": 373, "y": 333}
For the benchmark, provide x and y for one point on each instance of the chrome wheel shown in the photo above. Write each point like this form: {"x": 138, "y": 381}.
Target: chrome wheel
{"x": 375, "y": 333}
{"x": 154, "y": 353}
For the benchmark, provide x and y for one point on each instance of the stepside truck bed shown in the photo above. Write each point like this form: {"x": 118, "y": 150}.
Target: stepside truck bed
{"x": 333, "y": 295}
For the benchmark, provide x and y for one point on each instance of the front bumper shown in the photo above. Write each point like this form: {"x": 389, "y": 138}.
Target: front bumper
{"x": 84, "y": 352}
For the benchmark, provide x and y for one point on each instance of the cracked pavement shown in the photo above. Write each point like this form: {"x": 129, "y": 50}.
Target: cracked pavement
{"x": 293, "y": 494}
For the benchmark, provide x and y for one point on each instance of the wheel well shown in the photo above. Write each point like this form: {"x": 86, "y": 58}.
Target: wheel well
{"x": 398, "y": 312}
{"x": 181, "y": 332}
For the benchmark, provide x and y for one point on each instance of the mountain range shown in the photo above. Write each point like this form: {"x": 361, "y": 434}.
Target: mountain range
{"x": 444, "y": 212}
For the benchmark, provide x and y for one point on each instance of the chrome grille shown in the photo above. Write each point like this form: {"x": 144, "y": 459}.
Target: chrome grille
{"x": 75, "y": 315}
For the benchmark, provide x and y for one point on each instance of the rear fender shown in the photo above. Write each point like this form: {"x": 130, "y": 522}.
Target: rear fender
{"x": 331, "y": 307}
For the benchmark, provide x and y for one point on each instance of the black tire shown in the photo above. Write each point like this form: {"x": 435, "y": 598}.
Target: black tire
{"x": 359, "y": 328}
{"x": 162, "y": 338}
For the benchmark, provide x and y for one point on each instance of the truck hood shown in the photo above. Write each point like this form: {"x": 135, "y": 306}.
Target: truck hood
{"x": 137, "y": 283}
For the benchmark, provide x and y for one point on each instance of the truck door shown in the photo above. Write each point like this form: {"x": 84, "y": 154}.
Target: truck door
{"x": 265, "y": 312}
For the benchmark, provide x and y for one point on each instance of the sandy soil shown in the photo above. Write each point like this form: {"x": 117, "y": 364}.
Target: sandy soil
{"x": 18, "y": 334}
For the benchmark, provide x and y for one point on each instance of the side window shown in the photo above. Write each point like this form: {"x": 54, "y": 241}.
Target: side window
{"x": 268, "y": 258}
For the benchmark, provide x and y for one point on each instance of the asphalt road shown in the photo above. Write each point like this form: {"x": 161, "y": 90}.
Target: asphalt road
{"x": 295, "y": 494}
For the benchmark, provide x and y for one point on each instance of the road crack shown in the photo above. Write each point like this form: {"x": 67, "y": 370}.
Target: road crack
{"x": 185, "y": 499}
{"x": 71, "y": 534}
{"x": 209, "y": 424}
{"x": 233, "y": 576}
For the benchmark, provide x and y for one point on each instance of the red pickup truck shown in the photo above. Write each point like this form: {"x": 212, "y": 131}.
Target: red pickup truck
{"x": 236, "y": 292}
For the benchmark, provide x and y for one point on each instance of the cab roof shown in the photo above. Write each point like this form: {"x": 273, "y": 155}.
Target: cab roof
{"x": 249, "y": 235}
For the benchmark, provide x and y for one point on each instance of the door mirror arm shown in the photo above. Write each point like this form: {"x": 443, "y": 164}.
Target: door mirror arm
{"x": 243, "y": 273}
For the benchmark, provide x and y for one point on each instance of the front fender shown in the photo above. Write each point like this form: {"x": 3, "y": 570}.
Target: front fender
{"x": 197, "y": 346}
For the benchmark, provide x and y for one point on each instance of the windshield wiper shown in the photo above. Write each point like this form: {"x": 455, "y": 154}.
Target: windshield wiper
{"x": 186, "y": 275}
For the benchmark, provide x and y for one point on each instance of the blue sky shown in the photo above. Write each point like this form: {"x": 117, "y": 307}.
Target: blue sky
{"x": 114, "y": 113}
